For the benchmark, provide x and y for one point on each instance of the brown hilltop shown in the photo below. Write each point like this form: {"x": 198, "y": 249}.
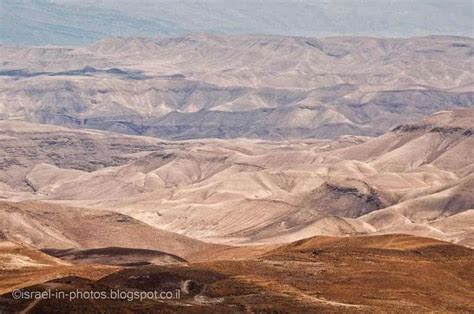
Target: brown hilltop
{"x": 352, "y": 274}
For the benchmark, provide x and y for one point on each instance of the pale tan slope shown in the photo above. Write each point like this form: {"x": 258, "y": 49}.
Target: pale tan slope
{"x": 14, "y": 256}
{"x": 43, "y": 178}
{"x": 412, "y": 182}
{"x": 192, "y": 219}
{"x": 234, "y": 203}
{"x": 444, "y": 140}
{"x": 22, "y": 266}
{"x": 440, "y": 204}
{"x": 445, "y": 215}
{"x": 451, "y": 119}
{"x": 44, "y": 225}
{"x": 238, "y": 202}
{"x": 424, "y": 191}
{"x": 459, "y": 227}
{"x": 445, "y": 152}
{"x": 244, "y": 191}
{"x": 26, "y": 148}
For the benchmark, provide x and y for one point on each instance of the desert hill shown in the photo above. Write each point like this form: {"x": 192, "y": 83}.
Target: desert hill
{"x": 241, "y": 225}
{"x": 115, "y": 256}
{"x": 443, "y": 140}
{"x": 22, "y": 266}
{"x": 414, "y": 179}
{"x": 264, "y": 87}
{"x": 50, "y": 226}
{"x": 347, "y": 271}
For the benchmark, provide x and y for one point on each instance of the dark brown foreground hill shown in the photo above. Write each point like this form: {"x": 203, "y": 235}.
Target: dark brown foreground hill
{"x": 389, "y": 273}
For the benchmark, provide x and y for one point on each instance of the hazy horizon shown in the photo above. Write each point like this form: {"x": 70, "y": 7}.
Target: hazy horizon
{"x": 73, "y": 22}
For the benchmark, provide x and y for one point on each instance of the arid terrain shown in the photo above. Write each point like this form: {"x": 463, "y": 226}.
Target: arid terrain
{"x": 251, "y": 173}
{"x": 261, "y": 87}
{"x": 415, "y": 179}
{"x": 321, "y": 274}
{"x": 88, "y": 209}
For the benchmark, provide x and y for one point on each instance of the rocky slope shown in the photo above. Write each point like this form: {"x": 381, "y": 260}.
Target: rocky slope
{"x": 414, "y": 179}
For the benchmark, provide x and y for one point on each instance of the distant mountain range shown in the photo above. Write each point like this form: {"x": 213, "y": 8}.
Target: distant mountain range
{"x": 267, "y": 87}
{"x": 79, "y": 22}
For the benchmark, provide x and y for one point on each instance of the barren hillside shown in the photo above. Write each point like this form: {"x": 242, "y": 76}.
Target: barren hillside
{"x": 317, "y": 274}
{"x": 415, "y": 179}
{"x": 209, "y": 86}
